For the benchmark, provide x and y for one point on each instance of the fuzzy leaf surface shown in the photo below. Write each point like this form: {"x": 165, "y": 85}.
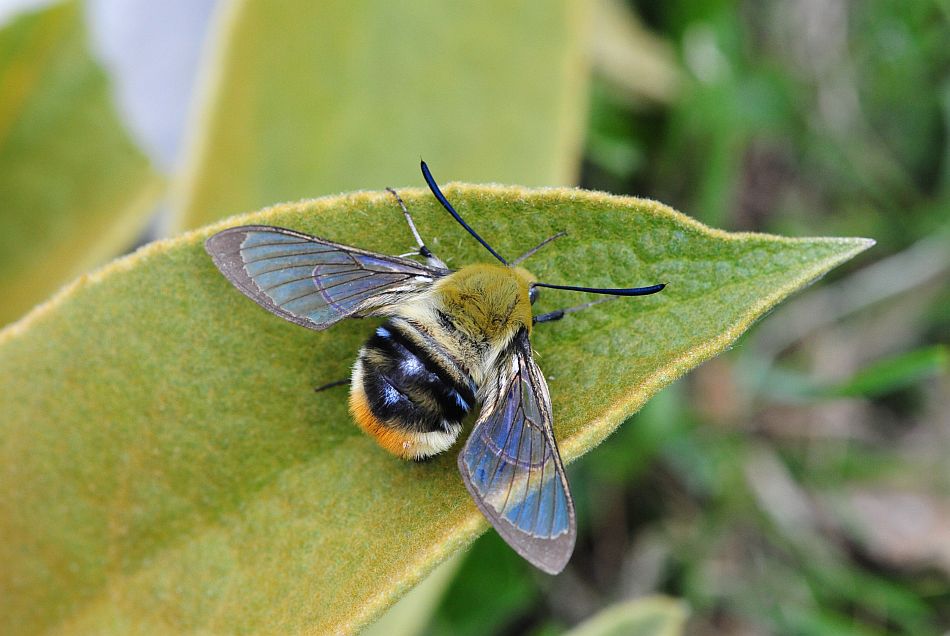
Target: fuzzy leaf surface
{"x": 165, "y": 465}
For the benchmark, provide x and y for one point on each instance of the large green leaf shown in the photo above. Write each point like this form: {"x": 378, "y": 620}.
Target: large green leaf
{"x": 166, "y": 466}
{"x": 74, "y": 190}
{"x": 311, "y": 98}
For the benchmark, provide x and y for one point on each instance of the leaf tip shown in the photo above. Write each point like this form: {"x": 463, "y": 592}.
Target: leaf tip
{"x": 854, "y": 245}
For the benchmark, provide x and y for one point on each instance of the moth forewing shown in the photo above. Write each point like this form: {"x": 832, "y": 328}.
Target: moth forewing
{"x": 311, "y": 281}
{"x": 511, "y": 465}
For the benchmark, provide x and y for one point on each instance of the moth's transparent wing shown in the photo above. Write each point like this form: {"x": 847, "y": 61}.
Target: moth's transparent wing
{"x": 511, "y": 466}
{"x": 314, "y": 282}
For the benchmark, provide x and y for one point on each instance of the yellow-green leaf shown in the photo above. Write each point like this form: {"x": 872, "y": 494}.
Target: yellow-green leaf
{"x": 310, "y": 98}
{"x": 74, "y": 190}
{"x": 652, "y": 616}
{"x": 167, "y": 467}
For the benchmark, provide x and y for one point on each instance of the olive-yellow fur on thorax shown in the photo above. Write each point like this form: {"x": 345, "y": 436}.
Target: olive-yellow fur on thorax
{"x": 487, "y": 301}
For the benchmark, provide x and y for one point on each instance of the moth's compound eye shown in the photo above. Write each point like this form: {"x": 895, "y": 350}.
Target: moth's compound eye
{"x": 533, "y": 294}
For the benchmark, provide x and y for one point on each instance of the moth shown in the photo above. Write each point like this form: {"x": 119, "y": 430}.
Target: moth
{"x": 453, "y": 340}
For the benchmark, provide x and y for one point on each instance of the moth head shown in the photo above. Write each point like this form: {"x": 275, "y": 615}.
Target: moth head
{"x": 523, "y": 276}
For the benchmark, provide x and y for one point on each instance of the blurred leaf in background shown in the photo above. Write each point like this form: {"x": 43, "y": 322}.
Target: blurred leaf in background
{"x": 643, "y": 617}
{"x": 74, "y": 189}
{"x": 894, "y": 373}
{"x": 356, "y": 93}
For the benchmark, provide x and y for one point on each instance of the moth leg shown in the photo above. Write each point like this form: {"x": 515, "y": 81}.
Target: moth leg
{"x": 431, "y": 258}
{"x": 330, "y": 385}
{"x": 534, "y": 249}
{"x": 557, "y": 314}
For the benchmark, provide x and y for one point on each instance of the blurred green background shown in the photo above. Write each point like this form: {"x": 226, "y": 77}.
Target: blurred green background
{"x": 797, "y": 484}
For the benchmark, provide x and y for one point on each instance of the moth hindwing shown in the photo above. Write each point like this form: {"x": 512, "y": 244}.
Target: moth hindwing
{"x": 511, "y": 465}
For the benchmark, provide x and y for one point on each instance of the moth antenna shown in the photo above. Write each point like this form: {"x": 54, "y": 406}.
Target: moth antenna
{"x": 534, "y": 249}
{"x": 629, "y": 291}
{"x": 448, "y": 206}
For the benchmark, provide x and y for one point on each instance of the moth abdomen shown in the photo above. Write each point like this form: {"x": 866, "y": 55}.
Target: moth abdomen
{"x": 404, "y": 396}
